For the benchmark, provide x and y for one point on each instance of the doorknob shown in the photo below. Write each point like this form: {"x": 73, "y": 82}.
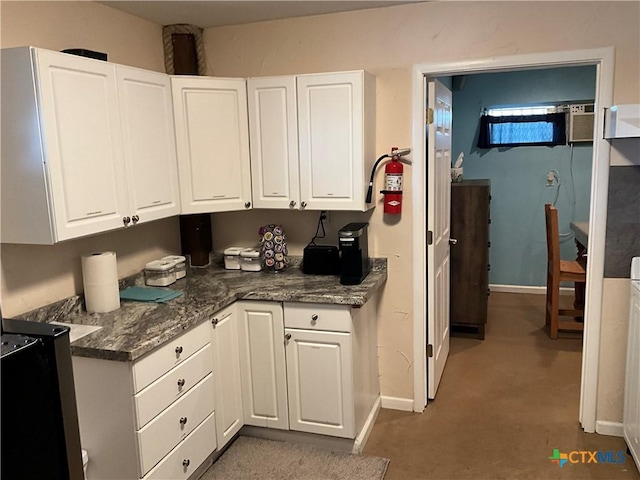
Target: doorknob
{"x": 453, "y": 241}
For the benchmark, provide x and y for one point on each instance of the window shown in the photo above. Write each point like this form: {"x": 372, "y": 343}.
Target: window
{"x": 522, "y": 126}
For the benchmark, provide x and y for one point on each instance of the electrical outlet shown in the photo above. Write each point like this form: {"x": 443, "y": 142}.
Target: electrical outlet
{"x": 550, "y": 179}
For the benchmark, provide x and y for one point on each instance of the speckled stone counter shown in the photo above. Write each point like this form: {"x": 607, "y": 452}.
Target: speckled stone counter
{"x": 137, "y": 328}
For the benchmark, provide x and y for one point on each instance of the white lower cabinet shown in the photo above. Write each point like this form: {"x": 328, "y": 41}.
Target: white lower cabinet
{"x": 226, "y": 366}
{"x": 183, "y": 460}
{"x": 320, "y": 379}
{"x": 137, "y": 417}
{"x": 262, "y": 363}
{"x": 316, "y": 364}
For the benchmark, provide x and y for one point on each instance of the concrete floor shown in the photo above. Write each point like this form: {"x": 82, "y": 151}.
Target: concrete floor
{"x": 503, "y": 405}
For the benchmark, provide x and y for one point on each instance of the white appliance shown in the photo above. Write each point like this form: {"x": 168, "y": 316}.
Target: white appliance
{"x": 622, "y": 121}
{"x": 631, "y": 417}
{"x": 581, "y": 120}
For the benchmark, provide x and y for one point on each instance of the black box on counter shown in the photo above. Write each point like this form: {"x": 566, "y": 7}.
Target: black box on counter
{"x": 321, "y": 260}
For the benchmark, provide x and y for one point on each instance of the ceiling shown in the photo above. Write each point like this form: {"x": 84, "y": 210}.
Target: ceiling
{"x": 216, "y": 13}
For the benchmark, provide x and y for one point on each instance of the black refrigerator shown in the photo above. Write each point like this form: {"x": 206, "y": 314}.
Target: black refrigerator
{"x": 40, "y": 434}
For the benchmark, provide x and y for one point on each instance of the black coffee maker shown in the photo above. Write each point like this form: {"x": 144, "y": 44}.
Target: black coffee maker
{"x": 354, "y": 253}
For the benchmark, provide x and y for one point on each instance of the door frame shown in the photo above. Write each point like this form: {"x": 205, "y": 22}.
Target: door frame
{"x": 603, "y": 59}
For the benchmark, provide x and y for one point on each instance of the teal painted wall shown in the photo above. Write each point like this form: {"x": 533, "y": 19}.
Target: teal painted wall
{"x": 518, "y": 175}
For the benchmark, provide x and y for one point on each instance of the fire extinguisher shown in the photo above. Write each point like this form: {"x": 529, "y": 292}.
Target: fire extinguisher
{"x": 393, "y": 185}
{"x": 393, "y": 181}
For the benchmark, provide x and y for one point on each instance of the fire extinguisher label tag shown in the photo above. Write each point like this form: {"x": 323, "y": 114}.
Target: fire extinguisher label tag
{"x": 394, "y": 181}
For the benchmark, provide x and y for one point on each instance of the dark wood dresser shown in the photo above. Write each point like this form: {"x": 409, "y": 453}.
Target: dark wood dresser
{"x": 470, "y": 219}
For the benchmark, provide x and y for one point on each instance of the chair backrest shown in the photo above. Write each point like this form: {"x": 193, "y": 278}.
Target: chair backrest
{"x": 553, "y": 239}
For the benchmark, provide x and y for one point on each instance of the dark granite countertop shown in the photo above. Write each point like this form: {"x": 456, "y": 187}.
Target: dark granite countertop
{"x": 137, "y": 328}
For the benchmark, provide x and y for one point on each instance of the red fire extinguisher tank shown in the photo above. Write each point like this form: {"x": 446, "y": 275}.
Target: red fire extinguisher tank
{"x": 393, "y": 186}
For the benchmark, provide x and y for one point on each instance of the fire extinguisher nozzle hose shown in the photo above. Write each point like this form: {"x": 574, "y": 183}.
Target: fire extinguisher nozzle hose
{"x": 373, "y": 171}
{"x": 369, "y": 193}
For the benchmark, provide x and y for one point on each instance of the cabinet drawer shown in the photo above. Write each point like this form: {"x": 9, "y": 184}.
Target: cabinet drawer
{"x": 183, "y": 460}
{"x": 163, "y": 359}
{"x": 174, "y": 384}
{"x": 317, "y": 317}
{"x": 165, "y": 431}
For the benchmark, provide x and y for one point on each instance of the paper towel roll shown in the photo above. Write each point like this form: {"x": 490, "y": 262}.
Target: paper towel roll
{"x": 100, "y": 281}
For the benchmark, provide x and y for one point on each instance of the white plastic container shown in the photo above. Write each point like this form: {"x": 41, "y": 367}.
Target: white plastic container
{"x": 180, "y": 265}
{"x": 160, "y": 273}
{"x": 250, "y": 260}
{"x": 232, "y": 258}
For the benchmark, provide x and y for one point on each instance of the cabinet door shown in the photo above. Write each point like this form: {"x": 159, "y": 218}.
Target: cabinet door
{"x": 320, "y": 382}
{"x": 226, "y": 374}
{"x": 81, "y": 127}
{"x": 148, "y": 138}
{"x": 331, "y": 138}
{"x": 273, "y": 129}
{"x": 262, "y": 363}
{"x": 212, "y": 137}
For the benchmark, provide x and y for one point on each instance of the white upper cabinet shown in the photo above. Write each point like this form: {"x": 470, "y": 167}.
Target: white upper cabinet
{"x": 336, "y": 128}
{"x": 67, "y": 169}
{"x": 212, "y": 138}
{"x": 63, "y": 172}
{"x": 148, "y": 137}
{"x": 312, "y": 140}
{"x": 273, "y": 127}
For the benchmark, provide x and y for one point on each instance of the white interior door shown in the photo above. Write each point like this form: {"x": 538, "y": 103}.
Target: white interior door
{"x": 438, "y": 223}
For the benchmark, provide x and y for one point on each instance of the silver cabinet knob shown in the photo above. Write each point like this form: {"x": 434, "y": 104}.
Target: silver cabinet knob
{"x": 453, "y": 241}
{"x": 214, "y": 321}
{"x": 292, "y": 203}
{"x": 247, "y": 205}
{"x": 183, "y": 421}
{"x": 126, "y": 221}
{"x": 314, "y": 317}
{"x": 303, "y": 204}
{"x": 181, "y": 382}
{"x": 179, "y": 350}
{"x": 287, "y": 337}
{"x": 186, "y": 462}
{"x": 135, "y": 219}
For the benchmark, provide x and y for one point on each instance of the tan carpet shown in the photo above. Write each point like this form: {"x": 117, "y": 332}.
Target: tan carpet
{"x": 502, "y": 407}
{"x": 254, "y": 458}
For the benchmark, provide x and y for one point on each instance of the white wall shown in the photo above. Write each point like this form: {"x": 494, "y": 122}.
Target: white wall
{"x": 33, "y": 276}
{"x": 388, "y": 42}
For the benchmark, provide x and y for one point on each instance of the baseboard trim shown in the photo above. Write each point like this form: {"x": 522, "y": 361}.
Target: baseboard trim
{"x": 613, "y": 429}
{"x": 363, "y": 436}
{"x": 527, "y": 289}
{"x": 396, "y": 403}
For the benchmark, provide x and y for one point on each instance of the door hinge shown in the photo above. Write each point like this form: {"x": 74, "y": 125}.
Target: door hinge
{"x": 429, "y": 350}
{"x": 429, "y": 116}
{"x": 429, "y": 237}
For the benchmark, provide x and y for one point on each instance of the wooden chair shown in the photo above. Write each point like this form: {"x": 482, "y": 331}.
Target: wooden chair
{"x": 559, "y": 271}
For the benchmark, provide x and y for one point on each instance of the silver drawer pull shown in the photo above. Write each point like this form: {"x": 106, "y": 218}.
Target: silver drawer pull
{"x": 181, "y": 382}
{"x": 314, "y": 317}
{"x": 178, "y": 350}
{"x": 186, "y": 462}
{"x": 183, "y": 421}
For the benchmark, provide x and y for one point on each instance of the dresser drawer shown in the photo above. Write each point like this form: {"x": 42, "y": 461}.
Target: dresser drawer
{"x": 312, "y": 316}
{"x": 160, "y": 361}
{"x": 154, "y": 398}
{"x": 183, "y": 460}
{"x": 165, "y": 431}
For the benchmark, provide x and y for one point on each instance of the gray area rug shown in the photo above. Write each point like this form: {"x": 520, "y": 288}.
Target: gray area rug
{"x": 256, "y": 458}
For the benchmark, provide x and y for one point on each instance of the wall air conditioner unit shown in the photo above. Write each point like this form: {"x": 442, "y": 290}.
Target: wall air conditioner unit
{"x": 581, "y": 120}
